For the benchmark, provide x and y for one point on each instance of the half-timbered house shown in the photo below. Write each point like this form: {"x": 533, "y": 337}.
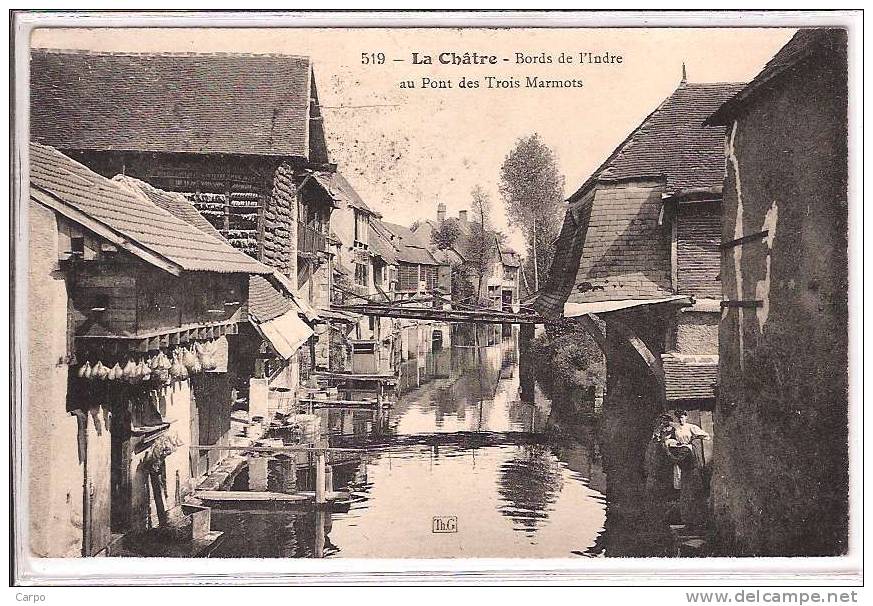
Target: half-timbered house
{"x": 136, "y": 352}
{"x": 239, "y": 135}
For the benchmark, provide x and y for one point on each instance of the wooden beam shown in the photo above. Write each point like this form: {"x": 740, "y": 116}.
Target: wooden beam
{"x": 747, "y": 303}
{"x": 652, "y": 362}
{"x": 272, "y": 448}
{"x": 589, "y": 323}
{"x": 755, "y": 237}
{"x": 104, "y": 231}
{"x": 445, "y": 315}
{"x": 316, "y": 403}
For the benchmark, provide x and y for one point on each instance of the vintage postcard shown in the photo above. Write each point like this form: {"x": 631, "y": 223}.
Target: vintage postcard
{"x": 445, "y": 288}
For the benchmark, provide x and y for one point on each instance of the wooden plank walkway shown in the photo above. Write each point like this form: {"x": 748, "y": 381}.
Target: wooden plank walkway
{"x": 140, "y": 545}
{"x": 249, "y": 496}
{"x": 325, "y": 403}
{"x": 312, "y": 449}
{"x": 484, "y": 316}
{"x": 356, "y": 376}
{"x": 247, "y": 499}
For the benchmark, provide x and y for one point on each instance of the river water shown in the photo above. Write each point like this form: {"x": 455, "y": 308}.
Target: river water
{"x": 459, "y": 452}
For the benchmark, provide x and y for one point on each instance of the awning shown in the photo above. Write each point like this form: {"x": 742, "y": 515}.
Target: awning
{"x": 339, "y": 316}
{"x": 305, "y": 308}
{"x": 572, "y": 310}
{"x": 286, "y": 334}
{"x": 324, "y": 181}
{"x": 690, "y": 377}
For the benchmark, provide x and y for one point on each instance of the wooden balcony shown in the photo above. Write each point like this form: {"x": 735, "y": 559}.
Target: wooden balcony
{"x": 310, "y": 240}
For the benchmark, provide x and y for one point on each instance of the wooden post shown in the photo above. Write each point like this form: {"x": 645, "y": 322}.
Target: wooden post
{"x": 526, "y": 335}
{"x": 320, "y": 479}
{"x": 320, "y": 527}
{"x": 328, "y": 478}
{"x": 258, "y": 474}
{"x": 289, "y": 483}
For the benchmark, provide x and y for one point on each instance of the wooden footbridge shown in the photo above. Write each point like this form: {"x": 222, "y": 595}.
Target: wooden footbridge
{"x": 439, "y": 309}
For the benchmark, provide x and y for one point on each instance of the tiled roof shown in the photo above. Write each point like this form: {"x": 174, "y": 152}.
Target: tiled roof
{"x": 612, "y": 245}
{"x": 672, "y": 143}
{"x": 805, "y": 44}
{"x": 172, "y": 202}
{"x": 690, "y": 377}
{"x": 411, "y": 248}
{"x": 126, "y": 210}
{"x": 447, "y": 256}
{"x": 171, "y": 102}
{"x": 340, "y": 185}
{"x": 380, "y": 244}
{"x": 565, "y": 263}
{"x": 265, "y": 302}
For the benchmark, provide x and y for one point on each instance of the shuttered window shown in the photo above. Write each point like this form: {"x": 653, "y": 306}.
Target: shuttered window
{"x": 408, "y": 276}
{"x": 698, "y": 235}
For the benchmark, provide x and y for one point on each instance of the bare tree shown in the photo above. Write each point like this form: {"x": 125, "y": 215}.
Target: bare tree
{"x": 481, "y": 245}
{"x": 533, "y": 191}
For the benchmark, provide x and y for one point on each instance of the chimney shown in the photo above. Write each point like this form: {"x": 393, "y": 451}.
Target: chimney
{"x": 441, "y": 212}
{"x": 462, "y": 216}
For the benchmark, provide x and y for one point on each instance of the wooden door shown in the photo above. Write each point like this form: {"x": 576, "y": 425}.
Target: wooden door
{"x": 98, "y": 485}
{"x": 121, "y": 453}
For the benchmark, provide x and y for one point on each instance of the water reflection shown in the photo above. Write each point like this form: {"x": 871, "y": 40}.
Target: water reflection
{"x": 459, "y": 441}
{"x": 530, "y": 484}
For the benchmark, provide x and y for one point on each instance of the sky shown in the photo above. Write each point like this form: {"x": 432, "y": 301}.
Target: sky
{"x": 406, "y": 150}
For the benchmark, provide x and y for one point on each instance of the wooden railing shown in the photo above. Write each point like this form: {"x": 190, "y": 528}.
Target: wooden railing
{"x": 310, "y": 240}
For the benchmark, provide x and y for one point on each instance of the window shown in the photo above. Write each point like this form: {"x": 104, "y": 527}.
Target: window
{"x": 362, "y": 229}
{"x": 431, "y": 276}
{"x": 361, "y": 274}
{"x": 408, "y": 277}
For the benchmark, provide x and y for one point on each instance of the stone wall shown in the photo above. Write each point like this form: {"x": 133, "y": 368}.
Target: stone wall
{"x": 175, "y": 404}
{"x": 697, "y": 333}
{"x": 636, "y": 519}
{"x": 780, "y": 481}
{"x": 55, "y": 469}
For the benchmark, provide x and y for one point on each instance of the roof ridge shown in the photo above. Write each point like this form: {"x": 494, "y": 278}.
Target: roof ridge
{"x": 590, "y": 181}
{"x": 717, "y": 83}
{"x": 639, "y": 133}
{"x": 803, "y": 45}
{"x": 94, "y": 190}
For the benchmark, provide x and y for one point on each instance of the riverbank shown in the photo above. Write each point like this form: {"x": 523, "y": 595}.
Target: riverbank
{"x": 569, "y": 367}
{"x": 459, "y": 443}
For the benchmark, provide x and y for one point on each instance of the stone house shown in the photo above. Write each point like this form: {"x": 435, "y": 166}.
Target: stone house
{"x": 363, "y": 269}
{"x": 637, "y": 262}
{"x": 780, "y": 484}
{"x": 503, "y": 284}
{"x": 418, "y": 272}
{"x": 502, "y": 276}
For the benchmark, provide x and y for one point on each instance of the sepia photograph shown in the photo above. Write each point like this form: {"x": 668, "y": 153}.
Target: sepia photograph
{"x": 310, "y": 289}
